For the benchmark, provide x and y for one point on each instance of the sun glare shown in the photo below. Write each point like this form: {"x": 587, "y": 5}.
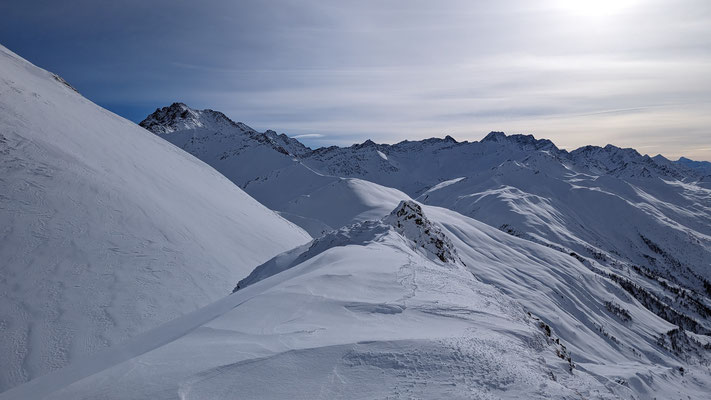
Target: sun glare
{"x": 595, "y": 8}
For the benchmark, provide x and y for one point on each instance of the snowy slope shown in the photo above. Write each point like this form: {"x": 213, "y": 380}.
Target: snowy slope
{"x": 647, "y": 218}
{"x": 368, "y": 312}
{"x": 268, "y": 167}
{"x": 107, "y": 231}
{"x": 652, "y": 230}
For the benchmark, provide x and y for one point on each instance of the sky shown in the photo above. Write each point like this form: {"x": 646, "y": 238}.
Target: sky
{"x": 634, "y": 73}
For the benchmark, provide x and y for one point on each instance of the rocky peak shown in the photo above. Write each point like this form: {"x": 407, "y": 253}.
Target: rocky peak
{"x": 624, "y": 162}
{"x": 525, "y": 142}
{"x": 409, "y": 220}
{"x": 367, "y": 143}
{"x": 180, "y": 117}
{"x": 494, "y": 136}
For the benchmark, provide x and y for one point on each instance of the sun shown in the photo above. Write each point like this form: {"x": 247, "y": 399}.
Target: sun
{"x": 595, "y": 8}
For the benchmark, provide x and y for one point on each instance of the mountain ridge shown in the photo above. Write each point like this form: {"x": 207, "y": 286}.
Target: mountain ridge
{"x": 646, "y": 219}
{"x": 157, "y": 123}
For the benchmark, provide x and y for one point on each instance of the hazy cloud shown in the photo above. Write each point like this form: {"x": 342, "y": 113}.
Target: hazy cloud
{"x": 633, "y": 74}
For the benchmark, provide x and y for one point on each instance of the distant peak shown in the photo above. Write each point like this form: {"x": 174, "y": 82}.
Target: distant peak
{"x": 367, "y": 143}
{"x": 609, "y": 148}
{"x": 523, "y": 141}
{"x": 180, "y": 105}
{"x": 494, "y": 136}
{"x": 660, "y": 158}
{"x": 449, "y": 139}
{"x": 180, "y": 117}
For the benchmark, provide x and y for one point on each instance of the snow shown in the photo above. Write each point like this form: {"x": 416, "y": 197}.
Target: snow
{"x": 107, "y": 231}
{"x": 520, "y": 271}
{"x": 640, "y": 223}
{"x": 444, "y": 184}
{"x": 267, "y": 167}
{"x": 645, "y": 219}
{"x": 367, "y": 314}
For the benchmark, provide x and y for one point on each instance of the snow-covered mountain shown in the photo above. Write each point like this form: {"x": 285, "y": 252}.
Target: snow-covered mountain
{"x": 369, "y": 312}
{"x": 269, "y": 167}
{"x": 701, "y": 167}
{"x": 647, "y": 219}
{"x": 107, "y": 231}
{"x": 519, "y": 270}
{"x": 644, "y": 222}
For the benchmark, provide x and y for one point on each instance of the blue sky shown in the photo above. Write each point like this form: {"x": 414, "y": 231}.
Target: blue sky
{"x": 635, "y": 73}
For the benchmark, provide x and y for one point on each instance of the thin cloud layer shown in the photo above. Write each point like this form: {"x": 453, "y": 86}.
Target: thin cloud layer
{"x": 633, "y": 73}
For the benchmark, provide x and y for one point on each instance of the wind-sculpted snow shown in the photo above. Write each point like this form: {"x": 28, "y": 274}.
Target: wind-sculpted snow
{"x": 107, "y": 231}
{"x": 360, "y": 233}
{"x": 364, "y": 313}
{"x": 407, "y": 219}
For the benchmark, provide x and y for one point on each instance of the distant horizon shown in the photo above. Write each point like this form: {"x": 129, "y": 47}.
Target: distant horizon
{"x": 634, "y": 73}
{"x": 304, "y": 138}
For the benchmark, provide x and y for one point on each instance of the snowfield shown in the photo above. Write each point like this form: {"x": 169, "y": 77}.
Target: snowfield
{"x": 366, "y": 312}
{"x": 133, "y": 268}
{"x": 106, "y": 230}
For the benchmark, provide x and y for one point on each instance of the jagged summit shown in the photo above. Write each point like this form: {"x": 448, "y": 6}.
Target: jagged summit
{"x": 203, "y": 124}
{"x": 179, "y": 117}
{"x": 527, "y": 142}
{"x": 367, "y": 143}
{"x": 623, "y": 162}
{"x": 409, "y": 221}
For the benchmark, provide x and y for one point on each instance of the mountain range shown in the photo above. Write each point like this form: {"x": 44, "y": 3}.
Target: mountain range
{"x": 201, "y": 259}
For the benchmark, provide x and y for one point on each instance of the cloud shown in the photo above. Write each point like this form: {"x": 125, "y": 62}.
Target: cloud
{"x": 392, "y": 70}
{"x": 308, "y": 135}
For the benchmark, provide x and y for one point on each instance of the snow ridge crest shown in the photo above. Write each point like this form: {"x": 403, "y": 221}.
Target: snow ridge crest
{"x": 409, "y": 220}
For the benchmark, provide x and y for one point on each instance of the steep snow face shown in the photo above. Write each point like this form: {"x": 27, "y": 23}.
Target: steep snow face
{"x": 366, "y": 312}
{"x": 268, "y": 167}
{"x": 106, "y": 230}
